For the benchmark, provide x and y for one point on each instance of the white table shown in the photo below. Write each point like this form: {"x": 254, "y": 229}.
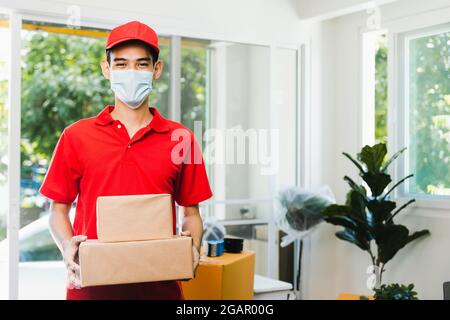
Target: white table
{"x": 270, "y": 289}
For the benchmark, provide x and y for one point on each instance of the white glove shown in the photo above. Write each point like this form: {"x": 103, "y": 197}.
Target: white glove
{"x": 196, "y": 258}
{"x": 70, "y": 255}
{"x": 195, "y": 253}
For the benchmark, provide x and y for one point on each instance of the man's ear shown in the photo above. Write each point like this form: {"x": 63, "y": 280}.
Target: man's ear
{"x": 158, "y": 68}
{"x": 105, "y": 68}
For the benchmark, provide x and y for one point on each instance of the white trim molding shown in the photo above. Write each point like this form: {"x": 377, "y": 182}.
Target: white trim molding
{"x": 14, "y": 116}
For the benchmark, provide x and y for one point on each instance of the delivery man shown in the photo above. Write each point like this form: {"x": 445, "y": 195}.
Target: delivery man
{"x": 128, "y": 148}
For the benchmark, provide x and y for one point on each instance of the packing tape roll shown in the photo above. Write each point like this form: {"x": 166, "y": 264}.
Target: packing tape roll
{"x": 215, "y": 248}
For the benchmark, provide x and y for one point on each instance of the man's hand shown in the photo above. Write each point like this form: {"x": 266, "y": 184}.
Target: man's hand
{"x": 70, "y": 253}
{"x": 195, "y": 253}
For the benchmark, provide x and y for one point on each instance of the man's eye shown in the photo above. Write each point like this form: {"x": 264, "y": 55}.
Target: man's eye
{"x": 143, "y": 65}
{"x": 120, "y": 64}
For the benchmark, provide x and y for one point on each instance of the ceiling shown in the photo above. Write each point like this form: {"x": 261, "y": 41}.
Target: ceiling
{"x": 318, "y": 10}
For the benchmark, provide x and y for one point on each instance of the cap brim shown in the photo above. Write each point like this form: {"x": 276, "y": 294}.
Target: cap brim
{"x": 115, "y": 43}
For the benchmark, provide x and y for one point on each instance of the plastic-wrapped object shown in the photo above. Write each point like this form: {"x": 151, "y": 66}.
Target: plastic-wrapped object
{"x": 213, "y": 230}
{"x": 300, "y": 210}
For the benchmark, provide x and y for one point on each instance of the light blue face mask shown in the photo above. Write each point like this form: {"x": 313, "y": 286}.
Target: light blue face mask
{"x": 131, "y": 86}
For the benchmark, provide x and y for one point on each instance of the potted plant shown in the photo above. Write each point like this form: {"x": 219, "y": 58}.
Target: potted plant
{"x": 395, "y": 292}
{"x": 368, "y": 214}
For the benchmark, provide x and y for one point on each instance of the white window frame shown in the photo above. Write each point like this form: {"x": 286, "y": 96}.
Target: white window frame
{"x": 304, "y": 155}
{"x": 404, "y": 39}
{"x": 396, "y": 29}
{"x": 16, "y": 18}
{"x": 399, "y": 31}
{"x": 14, "y": 119}
{"x": 300, "y": 101}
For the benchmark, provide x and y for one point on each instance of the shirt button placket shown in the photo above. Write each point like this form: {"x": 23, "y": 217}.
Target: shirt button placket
{"x": 119, "y": 126}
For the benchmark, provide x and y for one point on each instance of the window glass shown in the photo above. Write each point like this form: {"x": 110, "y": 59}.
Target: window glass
{"x": 381, "y": 88}
{"x": 428, "y": 101}
{"x": 193, "y": 82}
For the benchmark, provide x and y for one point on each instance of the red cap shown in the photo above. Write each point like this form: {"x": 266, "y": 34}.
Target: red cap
{"x": 133, "y": 30}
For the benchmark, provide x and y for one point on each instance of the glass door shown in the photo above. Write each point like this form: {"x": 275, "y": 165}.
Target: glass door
{"x": 61, "y": 83}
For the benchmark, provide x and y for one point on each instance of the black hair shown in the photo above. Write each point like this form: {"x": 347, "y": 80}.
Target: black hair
{"x": 152, "y": 51}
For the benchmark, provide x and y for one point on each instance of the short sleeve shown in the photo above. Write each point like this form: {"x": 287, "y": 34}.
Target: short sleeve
{"x": 192, "y": 185}
{"x": 61, "y": 182}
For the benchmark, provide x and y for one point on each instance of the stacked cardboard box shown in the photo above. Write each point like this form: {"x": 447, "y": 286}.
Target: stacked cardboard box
{"x": 135, "y": 243}
{"x": 227, "y": 277}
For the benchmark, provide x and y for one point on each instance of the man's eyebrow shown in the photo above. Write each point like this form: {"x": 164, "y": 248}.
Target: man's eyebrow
{"x": 120, "y": 59}
{"x": 144, "y": 59}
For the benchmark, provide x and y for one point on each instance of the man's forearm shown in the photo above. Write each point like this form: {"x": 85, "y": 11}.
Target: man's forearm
{"x": 193, "y": 222}
{"x": 59, "y": 222}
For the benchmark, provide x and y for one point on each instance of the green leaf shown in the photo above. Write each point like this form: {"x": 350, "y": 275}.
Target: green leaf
{"x": 393, "y": 238}
{"x": 400, "y": 209}
{"x": 336, "y": 210}
{"x": 343, "y": 221}
{"x": 355, "y": 186}
{"x": 380, "y": 211}
{"x": 357, "y": 203}
{"x": 356, "y": 163}
{"x": 395, "y": 292}
{"x": 351, "y": 236}
{"x": 373, "y": 157}
{"x": 395, "y": 156}
{"x": 377, "y": 182}
{"x": 417, "y": 235}
{"x": 397, "y": 184}
{"x": 390, "y": 240}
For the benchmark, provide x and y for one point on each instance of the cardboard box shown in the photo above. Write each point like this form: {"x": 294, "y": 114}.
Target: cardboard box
{"x": 104, "y": 263}
{"x": 134, "y": 217}
{"x": 227, "y": 277}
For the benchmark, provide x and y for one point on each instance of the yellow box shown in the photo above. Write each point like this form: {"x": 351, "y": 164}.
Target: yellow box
{"x": 353, "y": 296}
{"x": 228, "y": 277}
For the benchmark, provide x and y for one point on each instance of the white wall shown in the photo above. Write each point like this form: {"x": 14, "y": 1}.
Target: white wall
{"x": 337, "y": 266}
{"x": 320, "y": 260}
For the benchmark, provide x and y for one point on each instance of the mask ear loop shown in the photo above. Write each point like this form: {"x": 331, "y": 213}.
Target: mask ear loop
{"x": 153, "y": 70}
{"x": 110, "y": 70}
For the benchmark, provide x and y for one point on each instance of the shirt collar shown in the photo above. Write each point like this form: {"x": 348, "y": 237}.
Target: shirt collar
{"x": 158, "y": 123}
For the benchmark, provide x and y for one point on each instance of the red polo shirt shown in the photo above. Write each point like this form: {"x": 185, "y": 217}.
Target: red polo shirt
{"x": 96, "y": 157}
